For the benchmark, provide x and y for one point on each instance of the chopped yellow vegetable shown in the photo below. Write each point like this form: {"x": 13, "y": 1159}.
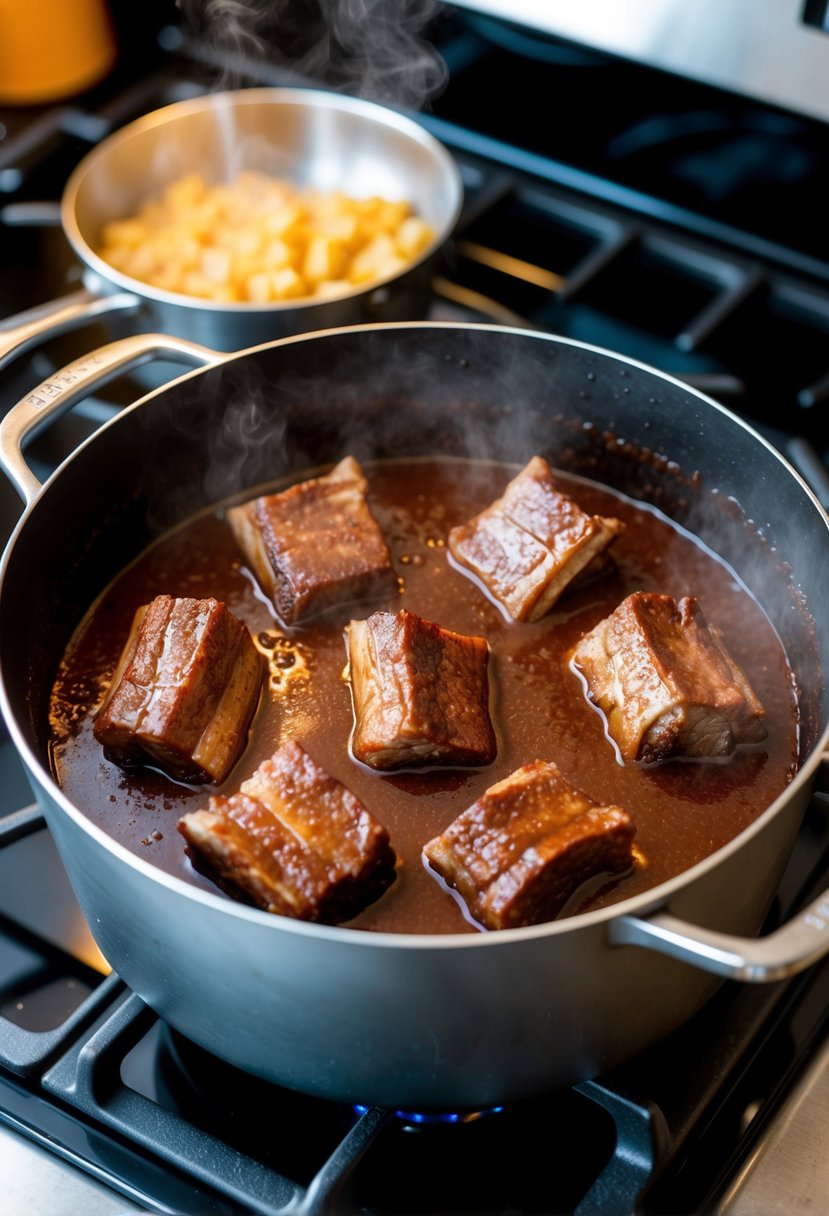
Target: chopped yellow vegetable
{"x": 262, "y": 239}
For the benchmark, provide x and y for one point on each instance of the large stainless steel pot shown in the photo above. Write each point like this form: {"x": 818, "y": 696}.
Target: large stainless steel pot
{"x": 460, "y": 1020}
{"x": 308, "y": 136}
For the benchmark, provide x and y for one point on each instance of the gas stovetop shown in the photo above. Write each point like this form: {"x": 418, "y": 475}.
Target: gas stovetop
{"x": 687, "y": 234}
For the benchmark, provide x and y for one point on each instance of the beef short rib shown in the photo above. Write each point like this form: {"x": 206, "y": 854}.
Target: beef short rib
{"x": 421, "y": 693}
{"x": 293, "y": 841}
{"x": 316, "y": 544}
{"x": 184, "y": 691}
{"x": 665, "y": 682}
{"x": 531, "y": 543}
{"x": 517, "y": 854}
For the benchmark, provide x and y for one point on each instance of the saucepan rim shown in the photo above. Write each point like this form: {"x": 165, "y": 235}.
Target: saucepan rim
{"x": 309, "y": 98}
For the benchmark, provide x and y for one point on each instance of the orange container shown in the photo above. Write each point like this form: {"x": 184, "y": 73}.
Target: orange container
{"x": 51, "y": 49}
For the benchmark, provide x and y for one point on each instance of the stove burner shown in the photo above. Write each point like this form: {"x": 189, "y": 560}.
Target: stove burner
{"x": 415, "y": 1120}
{"x": 489, "y": 1157}
{"x": 193, "y": 1078}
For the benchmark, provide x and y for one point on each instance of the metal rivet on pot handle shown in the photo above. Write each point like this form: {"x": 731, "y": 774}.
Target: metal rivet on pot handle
{"x": 73, "y": 383}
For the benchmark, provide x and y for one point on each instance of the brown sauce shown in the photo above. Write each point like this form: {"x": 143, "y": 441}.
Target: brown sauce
{"x": 683, "y": 811}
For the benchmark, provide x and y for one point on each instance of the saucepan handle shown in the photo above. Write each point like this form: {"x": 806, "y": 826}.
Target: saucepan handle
{"x": 27, "y": 329}
{"x": 790, "y": 949}
{"x": 73, "y": 383}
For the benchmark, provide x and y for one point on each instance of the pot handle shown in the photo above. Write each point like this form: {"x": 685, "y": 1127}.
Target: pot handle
{"x": 785, "y": 952}
{"x": 26, "y": 329}
{"x": 788, "y": 950}
{"x": 72, "y": 383}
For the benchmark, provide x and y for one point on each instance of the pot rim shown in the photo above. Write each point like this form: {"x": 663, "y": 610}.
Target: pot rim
{"x": 641, "y": 904}
{"x": 310, "y": 98}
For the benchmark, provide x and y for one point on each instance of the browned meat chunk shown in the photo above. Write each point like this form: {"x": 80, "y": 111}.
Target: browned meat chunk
{"x": 531, "y": 543}
{"x": 315, "y": 544}
{"x": 294, "y": 841}
{"x": 665, "y": 683}
{"x": 184, "y": 691}
{"x": 517, "y": 854}
{"x": 421, "y": 693}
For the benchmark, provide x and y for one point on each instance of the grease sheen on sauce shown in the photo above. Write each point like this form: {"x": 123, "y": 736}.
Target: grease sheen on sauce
{"x": 684, "y": 811}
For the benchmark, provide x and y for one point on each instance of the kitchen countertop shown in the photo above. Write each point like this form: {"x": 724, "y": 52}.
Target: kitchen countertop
{"x": 788, "y": 1171}
{"x": 36, "y": 1183}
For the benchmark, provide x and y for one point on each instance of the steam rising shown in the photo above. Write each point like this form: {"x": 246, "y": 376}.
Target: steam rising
{"x": 375, "y": 49}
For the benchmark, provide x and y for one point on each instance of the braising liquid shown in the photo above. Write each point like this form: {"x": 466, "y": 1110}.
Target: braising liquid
{"x": 683, "y": 810}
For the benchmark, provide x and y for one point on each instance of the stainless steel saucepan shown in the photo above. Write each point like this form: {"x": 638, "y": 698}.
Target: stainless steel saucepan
{"x": 307, "y": 136}
{"x": 428, "y": 1022}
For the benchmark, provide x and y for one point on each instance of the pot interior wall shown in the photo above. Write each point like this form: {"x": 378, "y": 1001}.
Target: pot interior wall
{"x": 413, "y": 390}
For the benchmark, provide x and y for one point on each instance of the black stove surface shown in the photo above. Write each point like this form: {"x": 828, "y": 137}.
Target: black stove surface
{"x": 674, "y": 224}
{"x": 719, "y": 158}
